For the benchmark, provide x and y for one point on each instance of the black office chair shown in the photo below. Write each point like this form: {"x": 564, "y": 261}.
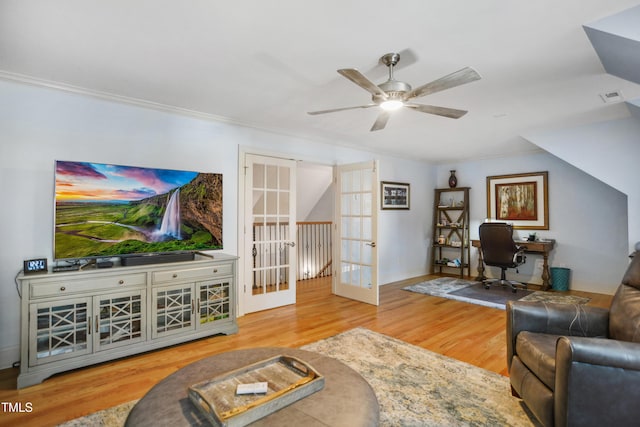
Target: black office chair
{"x": 499, "y": 250}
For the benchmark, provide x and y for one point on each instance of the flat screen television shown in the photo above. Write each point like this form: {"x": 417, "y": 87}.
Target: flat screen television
{"x": 105, "y": 211}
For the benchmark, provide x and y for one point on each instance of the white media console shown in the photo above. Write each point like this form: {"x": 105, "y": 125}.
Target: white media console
{"x": 74, "y": 319}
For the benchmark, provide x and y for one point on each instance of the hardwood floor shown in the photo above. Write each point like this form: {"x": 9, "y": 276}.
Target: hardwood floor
{"x": 467, "y": 332}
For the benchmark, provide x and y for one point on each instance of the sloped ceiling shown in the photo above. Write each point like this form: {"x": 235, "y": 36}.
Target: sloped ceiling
{"x": 606, "y": 149}
{"x": 265, "y": 64}
{"x": 616, "y": 40}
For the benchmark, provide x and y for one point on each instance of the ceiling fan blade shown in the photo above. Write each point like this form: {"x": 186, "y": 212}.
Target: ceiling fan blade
{"x": 407, "y": 57}
{"x": 358, "y": 78}
{"x": 333, "y": 110}
{"x": 452, "y": 113}
{"x": 460, "y": 77}
{"x": 381, "y": 121}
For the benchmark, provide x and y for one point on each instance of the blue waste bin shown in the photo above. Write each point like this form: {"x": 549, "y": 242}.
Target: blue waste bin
{"x": 560, "y": 278}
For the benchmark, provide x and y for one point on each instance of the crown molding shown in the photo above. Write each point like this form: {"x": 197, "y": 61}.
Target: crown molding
{"x": 34, "y": 81}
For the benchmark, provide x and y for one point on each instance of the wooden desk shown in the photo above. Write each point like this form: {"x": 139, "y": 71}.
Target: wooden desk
{"x": 541, "y": 247}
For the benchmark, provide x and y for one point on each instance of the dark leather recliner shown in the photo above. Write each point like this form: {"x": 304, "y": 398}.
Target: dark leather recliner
{"x": 576, "y": 365}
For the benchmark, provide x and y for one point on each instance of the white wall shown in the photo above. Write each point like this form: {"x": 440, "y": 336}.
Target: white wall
{"x": 587, "y": 218}
{"x": 314, "y": 192}
{"x": 38, "y": 126}
{"x": 405, "y": 236}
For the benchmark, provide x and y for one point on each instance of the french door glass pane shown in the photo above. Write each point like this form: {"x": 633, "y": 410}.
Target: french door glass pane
{"x": 367, "y": 252}
{"x": 346, "y": 181}
{"x": 346, "y": 204}
{"x": 345, "y": 272}
{"x": 284, "y": 178}
{"x": 355, "y": 204}
{"x": 258, "y": 176}
{"x": 366, "y": 204}
{"x": 366, "y": 276}
{"x": 354, "y": 254}
{"x": 355, "y": 229}
{"x": 272, "y": 177}
{"x": 366, "y": 228}
{"x": 272, "y": 203}
{"x": 271, "y": 228}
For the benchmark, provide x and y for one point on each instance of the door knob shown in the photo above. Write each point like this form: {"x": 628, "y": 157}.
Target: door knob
{"x": 292, "y": 244}
{"x": 372, "y": 244}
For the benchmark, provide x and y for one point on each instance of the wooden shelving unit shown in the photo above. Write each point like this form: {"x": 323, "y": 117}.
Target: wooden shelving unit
{"x": 451, "y": 244}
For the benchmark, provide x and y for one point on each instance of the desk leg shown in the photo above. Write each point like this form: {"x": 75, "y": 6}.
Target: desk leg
{"x": 545, "y": 272}
{"x": 481, "y": 277}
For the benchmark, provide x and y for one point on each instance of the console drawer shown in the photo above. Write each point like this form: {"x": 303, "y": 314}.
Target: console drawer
{"x": 192, "y": 273}
{"x": 69, "y": 286}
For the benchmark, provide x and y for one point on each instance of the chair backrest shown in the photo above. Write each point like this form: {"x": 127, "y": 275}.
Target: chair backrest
{"x": 624, "y": 315}
{"x": 496, "y": 242}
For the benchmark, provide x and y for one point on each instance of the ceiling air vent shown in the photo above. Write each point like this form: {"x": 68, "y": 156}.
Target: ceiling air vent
{"x": 612, "y": 97}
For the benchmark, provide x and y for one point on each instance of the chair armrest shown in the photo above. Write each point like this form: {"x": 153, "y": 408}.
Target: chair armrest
{"x": 518, "y": 256}
{"x": 556, "y": 319}
{"x": 595, "y": 373}
{"x": 598, "y": 351}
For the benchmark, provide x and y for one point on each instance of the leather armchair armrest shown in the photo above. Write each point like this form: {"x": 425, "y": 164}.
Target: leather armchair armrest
{"x": 556, "y": 319}
{"x": 593, "y": 374}
{"x": 598, "y": 351}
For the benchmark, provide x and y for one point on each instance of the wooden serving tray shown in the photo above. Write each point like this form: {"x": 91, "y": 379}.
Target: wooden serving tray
{"x": 289, "y": 379}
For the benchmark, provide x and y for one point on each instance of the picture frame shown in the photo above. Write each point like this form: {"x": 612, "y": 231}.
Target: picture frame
{"x": 395, "y": 195}
{"x": 520, "y": 199}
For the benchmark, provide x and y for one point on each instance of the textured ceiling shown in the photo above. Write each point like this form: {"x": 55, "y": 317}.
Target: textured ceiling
{"x": 265, "y": 64}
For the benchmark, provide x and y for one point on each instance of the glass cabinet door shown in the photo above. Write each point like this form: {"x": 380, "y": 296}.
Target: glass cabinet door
{"x": 213, "y": 301}
{"x": 173, "y": 309}
{"x": 61, "y": 330}
{"x": 119, "y": 319}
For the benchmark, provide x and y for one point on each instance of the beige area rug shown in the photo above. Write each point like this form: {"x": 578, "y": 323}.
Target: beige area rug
{"x": 110, "y": 417}
{"x": 496, "y": 297}
{"x": 414, "y": 387}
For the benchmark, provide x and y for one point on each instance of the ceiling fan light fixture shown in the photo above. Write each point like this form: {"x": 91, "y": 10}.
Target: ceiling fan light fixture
{"x": 395, "y": 94}
{"x": 391, "y": 105}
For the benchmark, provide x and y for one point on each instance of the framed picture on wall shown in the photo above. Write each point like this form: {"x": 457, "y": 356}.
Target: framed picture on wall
{"x": 520, "y": 199}
{"x": 395, "y": 195}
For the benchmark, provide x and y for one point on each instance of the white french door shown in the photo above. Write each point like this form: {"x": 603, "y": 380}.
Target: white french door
{"x": 356, "y": 229}
{"x": 269, "y": 232}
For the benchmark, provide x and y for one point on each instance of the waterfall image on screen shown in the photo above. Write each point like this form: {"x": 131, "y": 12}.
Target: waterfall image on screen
{"x": 104, "y": 210}
{"x": 170, "y": 225}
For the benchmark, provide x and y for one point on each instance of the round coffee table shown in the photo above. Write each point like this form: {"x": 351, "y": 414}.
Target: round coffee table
{"x": 346, "y": 399}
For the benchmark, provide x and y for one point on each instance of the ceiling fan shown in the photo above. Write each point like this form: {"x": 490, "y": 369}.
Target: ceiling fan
{"x": 394, "y": 94}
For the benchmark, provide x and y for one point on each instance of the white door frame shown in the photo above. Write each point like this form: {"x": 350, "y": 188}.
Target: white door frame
{"x": 242, "y": 151}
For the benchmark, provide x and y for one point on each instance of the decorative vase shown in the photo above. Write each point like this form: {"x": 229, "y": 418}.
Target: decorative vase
{"x": 453, "y": 181}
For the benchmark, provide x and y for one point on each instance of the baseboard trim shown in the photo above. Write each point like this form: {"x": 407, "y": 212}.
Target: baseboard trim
{"x": 9, "y": 356}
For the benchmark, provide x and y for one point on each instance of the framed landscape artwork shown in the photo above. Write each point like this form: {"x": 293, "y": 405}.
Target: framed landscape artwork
{"x": 520, "y": 199}
{"x": 395, "y": 195}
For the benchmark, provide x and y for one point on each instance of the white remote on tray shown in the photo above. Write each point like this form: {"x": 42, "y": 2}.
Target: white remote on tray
{"x": 253, "y": 388}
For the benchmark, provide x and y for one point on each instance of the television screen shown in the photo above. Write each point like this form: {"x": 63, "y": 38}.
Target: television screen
{"x": 104, "y": 210}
